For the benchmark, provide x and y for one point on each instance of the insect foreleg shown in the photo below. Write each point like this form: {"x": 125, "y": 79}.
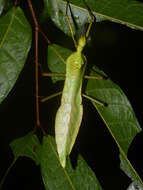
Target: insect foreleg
{"x": 100, "y": 77}
{"x": 69, "y": 23}
{"x": 53, "y": 74}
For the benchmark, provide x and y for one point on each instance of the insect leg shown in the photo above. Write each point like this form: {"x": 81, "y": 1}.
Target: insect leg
{"x": 51, "y": 96}
{"x": 94, "y": 77}
{"x": 44, "y": 74}
{"x": 93, "y": 19}
{"x": 99, "y": 102}
{"x": 100, "y": 76}
{"x": 69, "y": 23}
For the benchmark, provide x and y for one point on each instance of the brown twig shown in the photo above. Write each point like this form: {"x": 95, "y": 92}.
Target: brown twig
{"x": 37, "y": 31}
{"x": 44, "y": 36}
{"x": 36, "y": 63}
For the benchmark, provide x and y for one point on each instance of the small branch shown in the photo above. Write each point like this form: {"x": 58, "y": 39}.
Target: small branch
{"x": 37, "y": 30}
{"x": 33, "y": 13}
{"x": 37, "y": 77}
{"x": 36, "y": 63}
{"x": 44, "y": 36}
{"x": 6, "y": 174}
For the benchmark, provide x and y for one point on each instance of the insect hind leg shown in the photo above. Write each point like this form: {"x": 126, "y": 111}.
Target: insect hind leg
{"x": 95, "y": 100}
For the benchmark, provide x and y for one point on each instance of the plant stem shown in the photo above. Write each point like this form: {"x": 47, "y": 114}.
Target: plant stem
{"x": 36, "y": 63}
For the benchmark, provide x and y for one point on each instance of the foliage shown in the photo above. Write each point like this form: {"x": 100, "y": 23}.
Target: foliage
{"x": 117, "y": 113}
{"x": 15, "y": 42}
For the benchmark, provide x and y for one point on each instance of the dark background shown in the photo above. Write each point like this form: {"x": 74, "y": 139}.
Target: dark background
{"x": 118, "y": 51}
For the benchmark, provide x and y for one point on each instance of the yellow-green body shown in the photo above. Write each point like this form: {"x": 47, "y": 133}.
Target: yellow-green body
{"x": 70, "y": 112}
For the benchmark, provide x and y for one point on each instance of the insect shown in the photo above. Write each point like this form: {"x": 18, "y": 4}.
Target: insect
{"x": 69, "y": 115}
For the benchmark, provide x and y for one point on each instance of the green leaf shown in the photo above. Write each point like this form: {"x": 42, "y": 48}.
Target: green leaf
{"x": 124, "y": 12}
{"x": 56, "y": 10}
{"x": 15, "y": 42}
{"x": 135, "y": 186}
{"x": 118, "y": 116}
{"x": 5, "y": 5}
{"x": 83, "y": 177}
{"x": 2, "y": 3}
{"x": 28, "y": 146}
{"x": 55, "y": 177}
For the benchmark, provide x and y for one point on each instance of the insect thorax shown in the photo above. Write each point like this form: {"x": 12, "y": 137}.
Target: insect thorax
{"x": 74, "y": 63}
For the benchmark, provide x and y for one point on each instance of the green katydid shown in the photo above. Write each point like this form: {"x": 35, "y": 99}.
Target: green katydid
{"x": 69, "y": 115}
